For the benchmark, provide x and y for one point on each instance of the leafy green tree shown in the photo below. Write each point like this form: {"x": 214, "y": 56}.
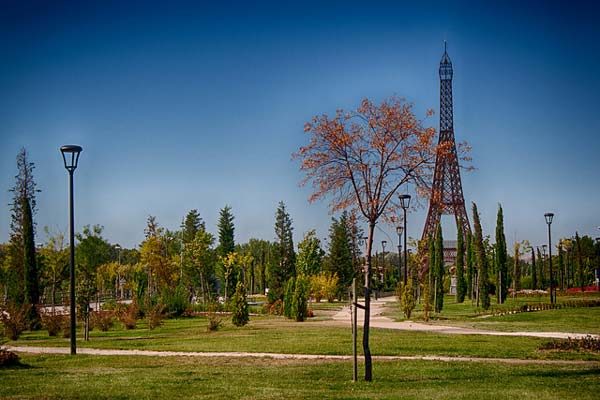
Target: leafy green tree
{"x": 240, "y": 315}
{"x": 461, "y": 285}
{"x": 580, "y": 267}
{"x": 501, "y": 258}
{"x": 56, "y": 261}
{"x": 161, "y": 271}
{"x": 561, "y": 265}
{"x": 439, "y": 270}
{"x": 516, "y": 268}
{"x": 32, "y": 290}
{"x": 482, "y": 261}
{"x": 199, "y": 262}
{"x": 285, "y": 265}
{"x": 262, "y": 256}
{"x": 310, "y": 255}
{"x": 339, "y": 260}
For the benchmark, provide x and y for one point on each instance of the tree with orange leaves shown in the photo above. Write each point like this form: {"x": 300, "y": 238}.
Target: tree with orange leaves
{"x": 360, "y": 159}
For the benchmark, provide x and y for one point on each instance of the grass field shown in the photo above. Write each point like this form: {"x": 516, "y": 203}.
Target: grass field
{"x": 86, "y": 376}
{"x": 110, "y": 377}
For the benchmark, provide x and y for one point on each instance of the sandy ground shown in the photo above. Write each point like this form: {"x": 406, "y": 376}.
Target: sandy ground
{"x": 378, "y": 320}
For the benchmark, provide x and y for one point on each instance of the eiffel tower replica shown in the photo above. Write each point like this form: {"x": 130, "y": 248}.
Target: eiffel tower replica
{"x": 446, "y": 191}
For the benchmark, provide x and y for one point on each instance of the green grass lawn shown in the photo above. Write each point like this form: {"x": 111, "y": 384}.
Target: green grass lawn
{"x": 118, "y": 377}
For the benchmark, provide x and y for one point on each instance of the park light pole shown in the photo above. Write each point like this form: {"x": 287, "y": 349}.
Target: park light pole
{"x": 549, "y": 216}
{"x": 399, "y": 230}
{"x": 70, "y": 154}
{"x": 405, "y": 203}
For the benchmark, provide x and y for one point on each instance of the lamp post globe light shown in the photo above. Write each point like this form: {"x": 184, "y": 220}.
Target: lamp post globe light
{"x": 405, "y": 203}
{"x": 399, "y": 230}
{"x": 549, "y": 216}
{"x": 70, "y": 154}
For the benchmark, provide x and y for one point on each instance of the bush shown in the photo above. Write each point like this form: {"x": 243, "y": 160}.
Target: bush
{"x": 54, "y": 323}
{"x": 587, "y": 343}
{"x": 8, "y": 358}
{"x": 240, "y": 315}
{"x": 176, "y": 301}
{"x": 288, "y": 298}
{"x": 128, "y": 314}
{"x": 408, "y": 300}
{"x": 155, "y": 315}
{"x": 104, "y": 320}
{"x": 299, "y": 299}
{"x": 324, "y": 286}
{"x": 275, "y": 308}
{"x": 14, "y": 319}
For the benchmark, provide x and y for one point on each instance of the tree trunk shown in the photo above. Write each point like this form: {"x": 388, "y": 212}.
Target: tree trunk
{"x": 365, "y": 342}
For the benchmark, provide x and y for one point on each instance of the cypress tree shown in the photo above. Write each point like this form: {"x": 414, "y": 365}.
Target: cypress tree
{"x": 240, "y": 315}
{"x": 32, "y": 293}
{"x": 439, "y": 269}
{"x": 432, "y": 264}
{"x": 226, "y": 232}
{"x": 191, "y": 225}
{"x": 534, "y": 282}
{"x": 501, "y": 258}
{"x": 288, "y": 297}
{"x": 580, "y": 278}
{"x": 481, "y": 261}
{"x": 339, "y": 260}
{"x": 284, "y": 265}
{"x": 470, "y": 271}
{"x": 461, "y": 286}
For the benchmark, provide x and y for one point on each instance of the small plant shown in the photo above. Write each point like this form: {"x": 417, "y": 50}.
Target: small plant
{"x": 8, "y": 358}
{"x": 299, "y": 299}
{"x": 587, "y": 343}
{"x": 14, "y": 319}
{"x": 275, "y": 308}
{"x": 155, "y": 315}
{"x": 104, "y": 320}
{"x": 128, "y": 314}
{"x": 214, "y": 323}
{"x": 54, "y": 323}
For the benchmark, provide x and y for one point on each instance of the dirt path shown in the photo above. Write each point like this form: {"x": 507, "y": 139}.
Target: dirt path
{"x": 378, "y": 320}
{"x": 151, "y": 353}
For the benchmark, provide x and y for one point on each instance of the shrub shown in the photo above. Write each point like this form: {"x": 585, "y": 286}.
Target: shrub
{"x": 175, "y": 300}
{"x": 128, "y": 314}
{"x": 240, "y": 315}
{"x": 587, "y": 343}
{"x": 214, "y": 323}
{"x": 323, "y": 286}
{"x": 299, "y": 299}
{"x": 408, "y": 300}
{"x": 14, "y": 319}
{"x": 275, "y": 308}
{"x": 104, "y": 320}
{"x": 8, "y": 358}
{"x": 155, "y": 315}
{"x": 54, "y": 323}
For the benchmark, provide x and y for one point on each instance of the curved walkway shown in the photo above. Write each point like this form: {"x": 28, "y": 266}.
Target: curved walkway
{"x": 378, "y": 320}
{"x": 152, "y": 353}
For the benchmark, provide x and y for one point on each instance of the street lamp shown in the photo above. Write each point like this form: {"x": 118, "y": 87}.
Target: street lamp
{"x": 405, "y": 203}
{"x": 70, "y": 154}
{"x": 399, "y": 230}
{"x": 549, "y": 217}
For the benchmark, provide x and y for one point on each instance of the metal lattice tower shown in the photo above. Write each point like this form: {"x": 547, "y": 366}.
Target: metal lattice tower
{"x": 446, "y": 191}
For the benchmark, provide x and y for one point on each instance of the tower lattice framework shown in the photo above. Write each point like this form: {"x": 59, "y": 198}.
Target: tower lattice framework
{"x": 446, "y": 191}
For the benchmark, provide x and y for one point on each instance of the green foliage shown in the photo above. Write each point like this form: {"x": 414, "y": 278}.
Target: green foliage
{"x": 470, "y": 265}
{"x": 501, "y": 258}
{"x": 191, "y": 225}
{"x": 176, "y": 300}
{"x": 30, "y": 265}
{"x": 226, "y": 232}
{"x": 588, "y": 343}
{"x": 482, "y": 262}
{"x": 534, "y": 268}
{"x": 439, "y": 269}
{"x": 310, "y": 255}
{"x": 288, "y": 297}
{"x": 199, "y": 262}
{"x": 339, "y": 259}
{"x": 214, "y": 323}
{"x": 14, "y": 319}
{"x": 580, "y": 273}
{"x": 408, "y": 299}
{"x": 300, "y": 299}
{"x": 240, "y": 315}
{"x": 461, "y": 284}
{"x": 323, "y": 286}
{"x": 283, "y": 266}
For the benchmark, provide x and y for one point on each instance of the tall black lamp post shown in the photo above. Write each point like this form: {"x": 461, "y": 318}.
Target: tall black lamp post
{"x": 405, "y": 203}
{"x": 70, "y": 154}
{"x": 549, "y": 217}
{"x": 399, "y": 230}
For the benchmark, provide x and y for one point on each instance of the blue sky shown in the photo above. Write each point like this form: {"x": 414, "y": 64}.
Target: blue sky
{"x": 191, "y": 105}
